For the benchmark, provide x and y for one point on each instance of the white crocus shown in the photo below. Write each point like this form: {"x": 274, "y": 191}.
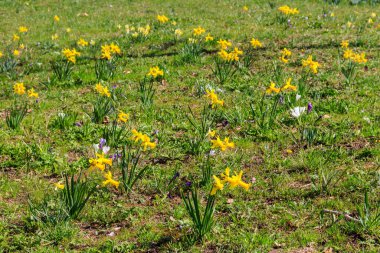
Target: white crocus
{"x": 297, "y": 111}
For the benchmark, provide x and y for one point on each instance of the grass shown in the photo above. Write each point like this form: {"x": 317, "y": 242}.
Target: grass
{"x": 298, "y": 181}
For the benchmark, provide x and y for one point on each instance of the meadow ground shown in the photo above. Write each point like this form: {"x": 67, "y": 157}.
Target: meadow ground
{"x": 309, "y": 151}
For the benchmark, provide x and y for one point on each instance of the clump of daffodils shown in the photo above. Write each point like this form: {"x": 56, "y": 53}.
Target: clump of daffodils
{"x": 19, "y": 89}
{"x": 233, "y": 181}
{"x": 310, "y": 64}
{"x": 214, "y": 100}
{"x": 287, "y": 10}
{"x": 231, "y": 56}
{"x": 102, "y": 90}
{"x": 70, "y": 54}
{"x": 355, "y": 57}
{"x": 108, "y": 51}
{"x": 144, "y": 139}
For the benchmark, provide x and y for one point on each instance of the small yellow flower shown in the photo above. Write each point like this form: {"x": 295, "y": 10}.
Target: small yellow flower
{"x": 32, "y": 93}
{"x": 256, "y": 43}
{"x": 162, "y": 19}
{"x": 1, "y": 54}
{"x": 54, "y": 36}
{"x": 68, "y": 30}
{"x": 272, "y": 88}
{"x": 370, "y": 21}
{"x": 289, "y": 86}
{"x": 373, "y": 15}
{"x": 223, "y": 145}
{"x": 99, "y": 162}
{"x": 209, "y": 38}
{"x": 218, "y": 185}
{"x": 110, "y": 180}
{"x": 285, "y": 55}
{"x": 70, "y": 54}
{"x": 245, "y": 8}
{"x": 345, "y": 44}
{"x": 23, "y": 29}
{"x": 22, "y": 46}
{"x": 215, "y": 101}
{"x": 198, "y": 31}
{"x": 56, "y": 18}
{"x": 145, "y": 140}
{"x": 174, "y": 23}
{"x": 287, "y": 10}
{"x": 178, "y": 32}
{"x": 81, "y": 42}
{"x": 102, "y": 90}
{"x": 123, "y": 117}
{"x": 155, "y": 72}
{"x": 211, "y": 133}
{"x": 19, "y": 88}
{"x": 312, "y": 65}
{"x": 332, "y": 14}
{"x": 16, "y": 52}
{"x": 59, "y": 186}
{"x": 349, "y": 24}
{"x": 16, "y": 37}
{"x": 224, "y": 44}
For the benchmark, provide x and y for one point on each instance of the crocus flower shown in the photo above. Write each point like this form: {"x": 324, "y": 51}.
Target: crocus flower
{"x": 309, "y": 107}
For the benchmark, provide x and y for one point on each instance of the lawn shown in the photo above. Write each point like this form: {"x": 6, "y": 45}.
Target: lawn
{"x": 189, "y": 126}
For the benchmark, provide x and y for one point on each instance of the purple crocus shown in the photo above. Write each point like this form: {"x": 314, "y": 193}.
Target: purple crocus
{"x": 102, "y": 142}
{"x": 309, "y": 107}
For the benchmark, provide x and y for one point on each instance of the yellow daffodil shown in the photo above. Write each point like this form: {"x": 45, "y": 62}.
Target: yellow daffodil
{"x": 109, "y": 50}
{"x": 70, "y": 54}
{"x": 110, "y": 180}
{"x": 54, "y": 36}
{"x": 81, "y": 42}
{"x": 235, "y": 180}
{"x": 217, "y": 186}
{"x": 198, "y": 31}
{"x": 224, "y": 44}
{"x": 287, "y": 10}
{"x": 23, "y": 29}
{"x": 285, "y": 55}
{"x": 345, "y": 44}
{"x": 145, "y": 140}
{"x": 99, "y": 162}
{"x": 312, "y": 65}
{"x": 32, "y": 93}
{"x": 19, "y": 88}
{"x": 211, "y": 133}
{"x": 178, "y": 32}
{"x": 162, "y": 19}
{"x": 272, "y": 88}
{"x": 214, "y": 98}
{"x": 209, "y": 38}
{"x": 155, "y": 72}
{"x": 59, "y": 186}
{"x": 289, "y": 86}
{"x": 102, "y": 90}
{"x": 16, "y": 37}
{"x": 123, "y": 117}
{"x": 222, "y": 145}
{"x": 256, "y": 43}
